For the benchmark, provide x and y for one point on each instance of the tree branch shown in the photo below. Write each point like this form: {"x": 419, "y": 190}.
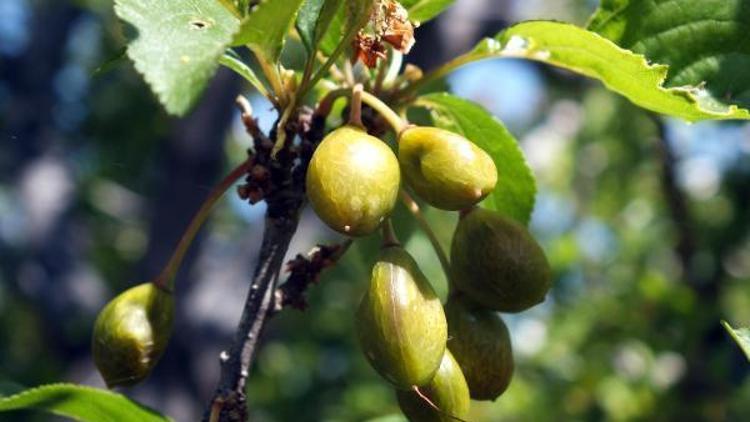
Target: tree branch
{"x": 280, "y": 182}
{"x": 230, "y": 402}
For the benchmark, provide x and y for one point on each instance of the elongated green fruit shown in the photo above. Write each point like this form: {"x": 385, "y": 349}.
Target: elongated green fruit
{"x": 353, "y": 181}
{"x": 131, "y": 333}
{"x": 447, "y": 391}
{"x": 444, "y": 168}
{"x": 497, "y": 263}
{"x": 479, "y": 340}
{"x": 400, "y": 321}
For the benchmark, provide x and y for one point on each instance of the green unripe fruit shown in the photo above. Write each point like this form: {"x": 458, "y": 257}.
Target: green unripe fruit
{"x": 479, "y": 340}
{"x": 131, "y": 333}
{"x": 444, "y": 168}
{"x": 497, "y": 263}
{"x": 400, "y": 321}
{"x": 353, "y": 181}
{"x": 447, "y": 390}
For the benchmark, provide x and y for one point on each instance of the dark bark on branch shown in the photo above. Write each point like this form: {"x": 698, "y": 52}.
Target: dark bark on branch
{"x": 304, "y": 271}
{"x": 280, "y": 181}
{"x": 229, "y": 403}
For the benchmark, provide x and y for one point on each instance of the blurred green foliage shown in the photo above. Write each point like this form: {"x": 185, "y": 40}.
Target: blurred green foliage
{"x": 630, "y": 331}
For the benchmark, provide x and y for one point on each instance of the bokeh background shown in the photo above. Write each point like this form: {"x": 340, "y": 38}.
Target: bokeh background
{"x": 645, "y": 221}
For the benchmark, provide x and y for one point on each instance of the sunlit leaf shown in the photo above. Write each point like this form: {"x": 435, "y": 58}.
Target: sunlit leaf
{"x": 236, "y": 64}
{"x": 81, "y": 403}
{"x": 314, "y": 19}
{"x": 587, "y": 53}
{"x": 741, "y": 336}
{"x": 423, "y": 10}
{"x": 703, "y": 42}
{"x": 177, "y": 45}
{"x": 265, "y": 28}
{"x": 516, "y": 186}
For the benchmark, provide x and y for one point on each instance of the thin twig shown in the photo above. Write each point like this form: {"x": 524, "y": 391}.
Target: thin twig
{"x": 355, "y": 107}
{"x": 305, "y": 271}
{"x": 235, "y": 369}
{"x": 285, "y": 198}
{"x": 413, "y": 208}
{"x": 389, "y": 234}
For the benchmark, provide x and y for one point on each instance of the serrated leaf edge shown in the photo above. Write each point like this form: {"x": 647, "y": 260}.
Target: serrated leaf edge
{"x": 691, "y": 92}
{"x": 161, "y": 90}
{"x": 739, "y": 342}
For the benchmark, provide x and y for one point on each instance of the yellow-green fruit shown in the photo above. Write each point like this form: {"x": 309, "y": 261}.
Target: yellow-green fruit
{"x": 400, "y": 321}
{"x": 131, "y": 333}
{"x": 444, "y": 168}
{"x": 479, "y": 340}
{"x": 353, "y": 181}
{"x": 497, "y": 263}
{"x": 447, "y": 390}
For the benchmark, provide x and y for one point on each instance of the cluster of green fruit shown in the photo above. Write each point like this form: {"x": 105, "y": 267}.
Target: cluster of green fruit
{"x": 437, "y": 357}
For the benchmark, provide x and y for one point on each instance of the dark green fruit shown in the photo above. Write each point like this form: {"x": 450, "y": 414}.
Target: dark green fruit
{"x": 479, "y": 340}
{"x": 444, "y": 168}
{"x": 497, "y": 263}
{"x": 447, "y": 390}
{"x": 131, "y": 333}
{"x": 400, "y": 321}
{"x": 353, "y": 181}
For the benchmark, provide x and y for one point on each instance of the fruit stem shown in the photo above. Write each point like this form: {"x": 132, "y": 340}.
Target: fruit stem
{"x": 389, "y": 234}
{"x": 413, "y": 207}
{"x": 165, "y": 280}
{"x": 355, "y": 107}
{"x": 394, "y": 120}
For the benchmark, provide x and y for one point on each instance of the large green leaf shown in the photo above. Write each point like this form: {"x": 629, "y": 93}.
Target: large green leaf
{"x": 741, "y": 336}
{"x": 421, "y": 11}
{"x": 177, "y": 45}
{"x": 266, "y": 26}
{"x": 80, "y": 403}
{"x": 703, "y": 42}
{"x": 587, "y": 53}
{"x": 313, "y": 21}
{"x": 516, "y": 186}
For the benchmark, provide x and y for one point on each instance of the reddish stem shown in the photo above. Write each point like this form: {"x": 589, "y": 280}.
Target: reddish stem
{"x": 165, "y": 280}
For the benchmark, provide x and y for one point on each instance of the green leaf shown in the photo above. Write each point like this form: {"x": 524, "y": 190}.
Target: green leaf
{"x": 233, "y": 62}
{"x": 313, "y": 21}
{"x": 741, "y": 336}
{"x": 235, "y": 6}
{"x": 345, "y": 23}
{"x": 703, "y": 42}
{"x": 267, "y": 26}
{"x": 177, "y": 45}
{"x": 516, "y": 186}
{"x": 421, "y": 11}
{"x": 587, "y": 53}
{"x": 80, "y": 403}
{"x": 111, "y": 63}
{"x": 240, "y": 5}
